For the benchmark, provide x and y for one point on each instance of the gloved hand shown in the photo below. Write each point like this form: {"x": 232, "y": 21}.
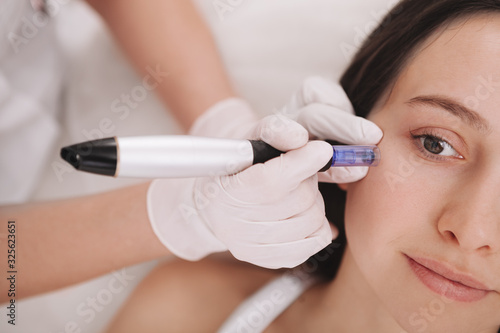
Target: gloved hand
{"x": 234, "y": 118}
{"x": 324, "y": 109}
{"x": 271, "y": 214}
{"x": 229, "y": 118}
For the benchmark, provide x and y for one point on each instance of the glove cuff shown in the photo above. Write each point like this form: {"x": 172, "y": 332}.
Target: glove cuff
{"x": 177, "y": 223}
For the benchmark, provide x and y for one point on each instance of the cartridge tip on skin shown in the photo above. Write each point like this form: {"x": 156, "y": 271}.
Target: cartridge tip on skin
{"x": 356, "y": 156}
{"x": 376, "y": 157}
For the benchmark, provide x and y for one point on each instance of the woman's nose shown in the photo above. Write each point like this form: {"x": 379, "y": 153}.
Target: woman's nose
{"x": 471, "y": 219}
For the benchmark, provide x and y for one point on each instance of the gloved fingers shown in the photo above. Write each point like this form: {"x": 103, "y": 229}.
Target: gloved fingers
{"x": 276, "y": 178}
{"x": 326, "y": 122}
{"x": 334, "y": 229}
{"x": 300, "y": 164}
{"x": 285, "y": 255}
{"x": 291, "y": 204}
{"x": 293, "y": 228}
{"x": 342, "y": 175}
{"x": 316, "y": 89}
{"x": 281, "y": 132}
{"x": 270, "y": 204}
{"x": 235, "y": 113}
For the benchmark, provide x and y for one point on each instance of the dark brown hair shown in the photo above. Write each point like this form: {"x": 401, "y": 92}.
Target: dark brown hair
{"x": 379, "y": 61}
{"x": 371, "y": 73}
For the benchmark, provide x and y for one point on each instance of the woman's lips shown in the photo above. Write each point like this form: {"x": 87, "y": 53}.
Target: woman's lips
{"x": 446, "y": 282}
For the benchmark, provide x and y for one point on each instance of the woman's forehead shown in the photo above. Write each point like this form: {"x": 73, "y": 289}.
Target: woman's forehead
{"x": 461, "y": 61}
{"x": 466, "y": 41}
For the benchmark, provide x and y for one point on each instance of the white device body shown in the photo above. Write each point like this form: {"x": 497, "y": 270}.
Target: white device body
{"x": 181, "y": 156}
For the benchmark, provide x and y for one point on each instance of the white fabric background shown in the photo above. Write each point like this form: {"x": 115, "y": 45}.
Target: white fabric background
{"x": 268, "y": 47}
{"x": 30, "y": 80}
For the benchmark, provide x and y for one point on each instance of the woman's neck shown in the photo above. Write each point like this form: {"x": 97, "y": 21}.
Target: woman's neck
{"x": 348, "y": 304}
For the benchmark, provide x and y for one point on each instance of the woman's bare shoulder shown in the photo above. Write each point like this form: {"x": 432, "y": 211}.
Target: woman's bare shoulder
{"x": 181, "y": 296}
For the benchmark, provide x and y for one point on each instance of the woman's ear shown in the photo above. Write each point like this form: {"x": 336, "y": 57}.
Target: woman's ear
{"x": 343, "y": 187}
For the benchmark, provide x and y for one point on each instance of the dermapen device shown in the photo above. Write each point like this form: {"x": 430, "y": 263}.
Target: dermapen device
{"x": 179, "y": 156}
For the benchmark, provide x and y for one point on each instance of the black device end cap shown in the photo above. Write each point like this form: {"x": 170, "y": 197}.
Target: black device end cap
{"x": 97, "y": 156}
{"x": 263, "y": 152}
{"x": 70, "y": 155}
{"x": 327, "y": 166}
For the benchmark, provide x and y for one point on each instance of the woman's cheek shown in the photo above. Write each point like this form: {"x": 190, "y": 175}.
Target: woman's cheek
{"x": 388, "y": 202}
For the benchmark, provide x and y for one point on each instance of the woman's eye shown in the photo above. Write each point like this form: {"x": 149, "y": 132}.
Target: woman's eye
{"x": 437, "y": 146}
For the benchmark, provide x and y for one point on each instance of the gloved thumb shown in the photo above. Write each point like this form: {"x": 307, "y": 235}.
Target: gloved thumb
{"x": 279, "y": 176}
{"x": 318, "y": 90}
{"x": 281, "y": 132}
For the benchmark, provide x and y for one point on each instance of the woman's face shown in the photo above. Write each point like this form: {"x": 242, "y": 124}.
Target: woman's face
{"x": 424, "y": 226}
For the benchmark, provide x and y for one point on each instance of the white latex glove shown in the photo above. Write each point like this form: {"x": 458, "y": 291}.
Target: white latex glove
{"x": 229, "y": 118}
{"x": 234, "y": 118}
{"x": 324, "y": 109}
{"x": 271, "y": 214}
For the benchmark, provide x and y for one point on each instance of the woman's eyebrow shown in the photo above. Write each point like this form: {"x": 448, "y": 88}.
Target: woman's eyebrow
{"x": 472, "y": 118}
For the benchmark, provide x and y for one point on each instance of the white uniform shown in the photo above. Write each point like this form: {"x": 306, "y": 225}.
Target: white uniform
{"x": 33, "y": 127}
{"x": 31, "y": 71}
